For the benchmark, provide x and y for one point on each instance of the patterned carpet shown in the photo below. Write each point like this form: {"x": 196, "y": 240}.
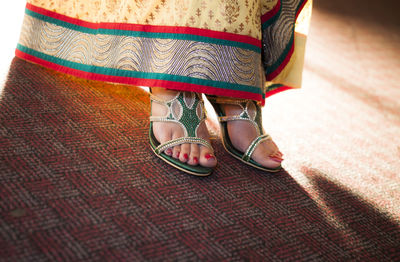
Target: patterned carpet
{"x": 80, "y": 183}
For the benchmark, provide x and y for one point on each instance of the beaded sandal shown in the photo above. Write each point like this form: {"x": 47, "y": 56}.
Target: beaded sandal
{"x": 187, "y": 110}
{"x": 253, "y": 116}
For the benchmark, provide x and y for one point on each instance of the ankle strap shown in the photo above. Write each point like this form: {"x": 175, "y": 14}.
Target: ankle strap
{"x": 254, "y": 118}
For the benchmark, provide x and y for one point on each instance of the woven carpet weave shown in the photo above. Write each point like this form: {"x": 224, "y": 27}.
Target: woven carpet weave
{"x": 79, "y": 181}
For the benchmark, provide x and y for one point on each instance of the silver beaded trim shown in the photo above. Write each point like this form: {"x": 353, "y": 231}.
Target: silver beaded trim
{"x": 231, "y": 118}
{"x": 253, "y": 146}
{"x": 183, "y": 140}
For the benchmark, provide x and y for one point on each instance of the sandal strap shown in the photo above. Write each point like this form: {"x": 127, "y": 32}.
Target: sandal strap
{"x": 183, "y": 140}
{"x": 182, "y": 110}
{"x": 239, "y": 117}
{"x": 244, "y": 115}
{"x": 250, "y": 150}
{"x": 230, "y": 118}
{"x": 160, "y": 119}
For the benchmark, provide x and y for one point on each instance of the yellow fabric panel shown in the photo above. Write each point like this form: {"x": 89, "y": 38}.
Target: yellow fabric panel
{"x": 292, "y": 74}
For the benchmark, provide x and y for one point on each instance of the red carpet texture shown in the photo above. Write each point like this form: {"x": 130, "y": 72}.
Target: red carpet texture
{"x": 79, "y": 181}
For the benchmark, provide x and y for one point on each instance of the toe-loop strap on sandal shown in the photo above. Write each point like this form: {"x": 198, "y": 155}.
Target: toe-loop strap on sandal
{"x": 251, "y": 112}
{"x": 247, "y": 155}
{"x": 187, "y": 110}
{"x": 182, "y": 140}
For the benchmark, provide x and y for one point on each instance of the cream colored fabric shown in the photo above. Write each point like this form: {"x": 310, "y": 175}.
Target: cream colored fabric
{"x": 232, "y": 16}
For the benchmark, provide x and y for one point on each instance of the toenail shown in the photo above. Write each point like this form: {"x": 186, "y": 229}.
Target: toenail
{"x": 177, "y": 154}
{"x": 276, "y": 156}
{"x": 168, "y": 151}
{"x": 209, "y": 156}
{"x": 195, "y": 159}
{"x": 277, "y": 159}
{"x": 186, "y": 156}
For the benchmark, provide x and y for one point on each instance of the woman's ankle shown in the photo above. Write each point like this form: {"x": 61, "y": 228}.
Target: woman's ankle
{"x": 163, "y": 93}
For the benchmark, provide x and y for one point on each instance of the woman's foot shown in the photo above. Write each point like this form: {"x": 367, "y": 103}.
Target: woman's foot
{"x": 192, "y": 154}
{"x": 242, "y": 133}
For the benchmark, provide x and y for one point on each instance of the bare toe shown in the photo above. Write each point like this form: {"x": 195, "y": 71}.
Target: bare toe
{"x": 207, "y": 158}
{"x": 168, "y": 151}
{"x": 269, "y": 162}
{"x": 184, "y": 154}
{"x": 176, "y": 152}
{"x": 194, "y": 155}
{"x": 177, "y": 149}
